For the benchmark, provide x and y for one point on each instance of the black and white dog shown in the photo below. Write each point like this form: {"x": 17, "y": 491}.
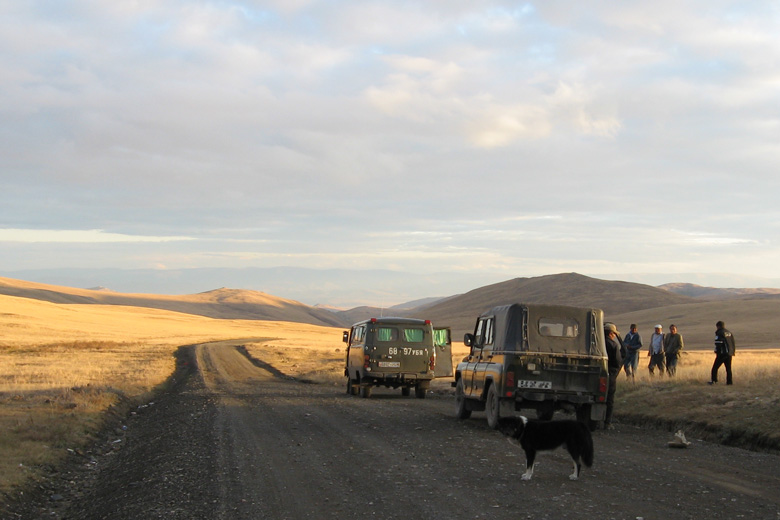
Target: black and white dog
{"x": 548, "y": 435}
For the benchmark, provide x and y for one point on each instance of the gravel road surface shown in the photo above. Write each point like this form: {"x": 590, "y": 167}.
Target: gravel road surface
{"x": 236, "y": 439}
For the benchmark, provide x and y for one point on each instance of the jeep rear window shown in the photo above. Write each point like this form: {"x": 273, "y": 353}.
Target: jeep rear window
{"x": 558, "y": 327}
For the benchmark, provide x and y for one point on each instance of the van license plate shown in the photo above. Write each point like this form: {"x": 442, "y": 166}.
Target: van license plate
{"x": 389, "y": 364}
{"x": 542, "y": 385}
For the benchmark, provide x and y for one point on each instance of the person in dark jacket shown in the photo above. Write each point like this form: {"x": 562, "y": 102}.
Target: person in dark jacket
{"x": 614, "y": 364}
{"x": 725, "y": 349}
{"x": 673, "y": 345}
{"x": 633, "y": 344}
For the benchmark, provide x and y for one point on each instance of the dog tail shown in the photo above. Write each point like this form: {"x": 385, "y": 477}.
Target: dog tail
{"x": 587, "y": 445}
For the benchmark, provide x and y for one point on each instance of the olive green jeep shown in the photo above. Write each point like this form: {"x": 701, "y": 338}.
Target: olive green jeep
{"x": 542, "y": 357}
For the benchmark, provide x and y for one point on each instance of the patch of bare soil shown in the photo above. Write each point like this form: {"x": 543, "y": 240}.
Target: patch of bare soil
{"x": 238, "y": 440}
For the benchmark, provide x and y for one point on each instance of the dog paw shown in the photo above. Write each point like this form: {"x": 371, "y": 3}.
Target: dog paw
{"x": 525, "y": 476}
{"x": 573, "y": 477}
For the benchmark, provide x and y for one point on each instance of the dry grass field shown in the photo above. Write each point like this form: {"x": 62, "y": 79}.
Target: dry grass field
{"x": 63, "y": 366}
{"x": 746, "y": 413}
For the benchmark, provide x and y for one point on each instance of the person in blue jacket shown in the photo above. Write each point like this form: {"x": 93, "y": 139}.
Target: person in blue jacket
{"x": 633, "y": 344}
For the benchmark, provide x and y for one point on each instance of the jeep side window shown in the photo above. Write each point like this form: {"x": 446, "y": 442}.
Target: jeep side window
{"x": 484, "y": 332}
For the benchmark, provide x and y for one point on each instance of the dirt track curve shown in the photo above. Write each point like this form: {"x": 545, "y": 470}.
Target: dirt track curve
{"x": 234, "y": 439}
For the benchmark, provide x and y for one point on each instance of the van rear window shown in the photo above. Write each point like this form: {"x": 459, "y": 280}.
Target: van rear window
{"x": 558, "y": 327}
{"x": 392, "y": 334}
{"x": 386, "y": 334}
{"x": 414, "y": 335}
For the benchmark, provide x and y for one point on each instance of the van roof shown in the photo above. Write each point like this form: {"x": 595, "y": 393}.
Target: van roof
{"x": 394, "y": 321}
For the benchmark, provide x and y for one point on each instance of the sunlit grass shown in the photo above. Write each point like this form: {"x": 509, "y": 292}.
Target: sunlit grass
{"x": 749, "y": 409}
{"x": 54, "y": 396}
{"x": 63, "y": 366}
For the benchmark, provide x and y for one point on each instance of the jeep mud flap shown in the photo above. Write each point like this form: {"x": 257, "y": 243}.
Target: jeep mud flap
{"x": 598, "y": 412}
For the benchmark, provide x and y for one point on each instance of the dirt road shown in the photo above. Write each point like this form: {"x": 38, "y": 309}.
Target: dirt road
{"x": 234, "y": 439}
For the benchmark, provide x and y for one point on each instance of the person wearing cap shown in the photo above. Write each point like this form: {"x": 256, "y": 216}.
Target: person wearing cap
{"x": 614, "y": 364}
{"x": 673, "y": 345}
{"x": 633, "y": 343}
{"x": 656, "y": 350}
{"x": 725, "y": 348}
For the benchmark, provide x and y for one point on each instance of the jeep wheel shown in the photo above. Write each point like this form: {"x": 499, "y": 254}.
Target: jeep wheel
{"x": 461, "y": 412}
{"x": 365, "y": 391}
{"x": 405, "y": 391}
{"x": 491, "y": 407}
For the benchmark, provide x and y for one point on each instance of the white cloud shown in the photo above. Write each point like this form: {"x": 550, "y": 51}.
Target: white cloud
{"x": 304, "y": 128}
{"x": 88, "y": 236}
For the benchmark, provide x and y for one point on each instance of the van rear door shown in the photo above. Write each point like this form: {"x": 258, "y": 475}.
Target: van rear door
{"x": 443, "y": 344}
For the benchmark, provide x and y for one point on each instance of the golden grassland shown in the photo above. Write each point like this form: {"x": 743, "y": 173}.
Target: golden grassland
{"x": 63, "y": 366}
{"x": 746, "y": 413}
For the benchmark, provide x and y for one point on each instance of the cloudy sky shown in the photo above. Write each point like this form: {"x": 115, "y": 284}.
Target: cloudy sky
{"x": 636, "y": 140}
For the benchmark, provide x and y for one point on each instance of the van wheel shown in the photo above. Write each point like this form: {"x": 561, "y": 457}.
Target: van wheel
{"x": 461, "y": 412}
{"x": 405, "y": 391}
{"x": 491, "y": 407}
{"x": 365, "y": 391}
{"x": 419, "y": 391}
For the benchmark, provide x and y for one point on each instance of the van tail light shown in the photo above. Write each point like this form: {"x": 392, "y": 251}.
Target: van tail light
{"x": 510, "y": 384}
{"x": 365, "y": 361}
{"x": 432, "y": 363}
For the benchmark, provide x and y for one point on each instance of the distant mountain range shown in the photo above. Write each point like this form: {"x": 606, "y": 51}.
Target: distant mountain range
{"x": 715, "y": 293}
{"x": 693, "y": 308}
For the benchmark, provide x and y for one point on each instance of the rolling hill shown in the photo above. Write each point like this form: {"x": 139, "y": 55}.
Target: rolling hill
{"x": 220, "y": 303}
{"x": 718, "y": 293}
{"x": 750, "y": 316}
{"x": 460, "y": 312}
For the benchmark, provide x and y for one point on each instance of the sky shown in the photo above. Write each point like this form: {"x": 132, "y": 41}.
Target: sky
{"x": 631, "y": 140}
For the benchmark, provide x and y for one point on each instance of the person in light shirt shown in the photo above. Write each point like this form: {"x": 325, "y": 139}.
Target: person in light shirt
{"x": 656, "y": 351}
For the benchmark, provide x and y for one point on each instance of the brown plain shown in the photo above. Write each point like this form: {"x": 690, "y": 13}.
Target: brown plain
{"x": 64, "y": 364}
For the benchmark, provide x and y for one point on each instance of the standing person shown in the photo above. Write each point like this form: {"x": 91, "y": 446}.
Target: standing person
{"x": 673, "y": 345}
{"x": 725, "y": 349}
{"x": 633, "y": 343}
{"x": 656, "y": 351}
{"x": 614, "y": 364}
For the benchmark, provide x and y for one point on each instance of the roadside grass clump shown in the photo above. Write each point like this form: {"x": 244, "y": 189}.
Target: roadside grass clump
{"x": 54, "y": 397}
{"x": 745, "y": 414}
